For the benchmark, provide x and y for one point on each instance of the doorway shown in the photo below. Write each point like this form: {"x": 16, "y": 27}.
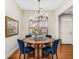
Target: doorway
{"x": 66, "y": 28}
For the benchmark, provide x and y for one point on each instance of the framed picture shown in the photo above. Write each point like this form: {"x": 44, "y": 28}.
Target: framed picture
{"x": 11, "y": 26}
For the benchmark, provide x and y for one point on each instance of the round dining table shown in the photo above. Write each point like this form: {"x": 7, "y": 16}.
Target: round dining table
{"x": 38, "y": 42}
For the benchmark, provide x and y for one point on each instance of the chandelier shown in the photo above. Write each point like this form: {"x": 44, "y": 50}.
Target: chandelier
{"x": 40, "y": 15}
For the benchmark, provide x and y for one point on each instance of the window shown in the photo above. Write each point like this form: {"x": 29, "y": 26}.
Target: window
{"x": 39, "y": 27}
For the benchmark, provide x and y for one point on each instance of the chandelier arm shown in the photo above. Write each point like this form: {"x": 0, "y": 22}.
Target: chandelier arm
{"x": 38, "y": 6}
{"x": 39, "y": 15}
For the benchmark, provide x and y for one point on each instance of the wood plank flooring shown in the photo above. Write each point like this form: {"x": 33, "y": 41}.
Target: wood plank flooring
{"x": 66, "y": 53}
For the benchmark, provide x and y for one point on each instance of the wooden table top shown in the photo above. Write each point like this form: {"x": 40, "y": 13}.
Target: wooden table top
{"x": 40, "y": 41}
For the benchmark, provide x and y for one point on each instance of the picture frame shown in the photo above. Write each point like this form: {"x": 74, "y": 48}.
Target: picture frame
{"x": 11, "y": 27}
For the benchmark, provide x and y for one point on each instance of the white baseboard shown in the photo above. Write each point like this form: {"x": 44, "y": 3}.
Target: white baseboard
{"x": 67, "y": 43}
{"x": 6, "y": 57}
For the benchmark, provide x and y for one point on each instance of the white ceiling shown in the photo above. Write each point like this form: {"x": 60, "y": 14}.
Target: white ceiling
{"x": 33, "y": 4}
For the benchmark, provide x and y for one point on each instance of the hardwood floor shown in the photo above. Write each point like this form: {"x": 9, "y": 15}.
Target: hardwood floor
{"x": 66, "y": 53}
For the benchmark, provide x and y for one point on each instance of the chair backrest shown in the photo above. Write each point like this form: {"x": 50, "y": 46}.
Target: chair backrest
{"x": 21, "y": 45}
{"x": 27, "y": 36}
{"x": 55, "y": 45}
{"x": 49, "y": 36}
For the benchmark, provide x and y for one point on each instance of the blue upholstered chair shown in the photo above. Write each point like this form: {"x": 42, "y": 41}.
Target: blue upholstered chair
{"x": 51, "y": 50}
{"x": 28, "y": 36}
{"x": 48, "y": 36}
{"x": 25, "y": 50}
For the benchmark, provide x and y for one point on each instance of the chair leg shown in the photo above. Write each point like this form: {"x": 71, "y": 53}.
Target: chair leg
{"x": 42, "y": 54}
{"x": 24, "y": 56}
{"x": 20, "y": 56}
{"x": 52, "y": 56}
{"x": 56, "y": 56}
{"x": 34, "y": 54}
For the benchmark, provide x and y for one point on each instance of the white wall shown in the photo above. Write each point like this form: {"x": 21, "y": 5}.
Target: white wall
{"x": 13, "y": 11}
{"x": 61, "y": 8}
{"x": 51, "y": 21}
{"x": 64, "y": 6}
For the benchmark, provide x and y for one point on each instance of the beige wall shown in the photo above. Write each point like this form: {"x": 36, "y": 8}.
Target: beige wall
{"x": 51, "y": 21}
{"x": 13, "y": 11}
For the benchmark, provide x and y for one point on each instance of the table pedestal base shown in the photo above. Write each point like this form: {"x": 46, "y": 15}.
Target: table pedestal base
{"x": 38, "y": 51}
